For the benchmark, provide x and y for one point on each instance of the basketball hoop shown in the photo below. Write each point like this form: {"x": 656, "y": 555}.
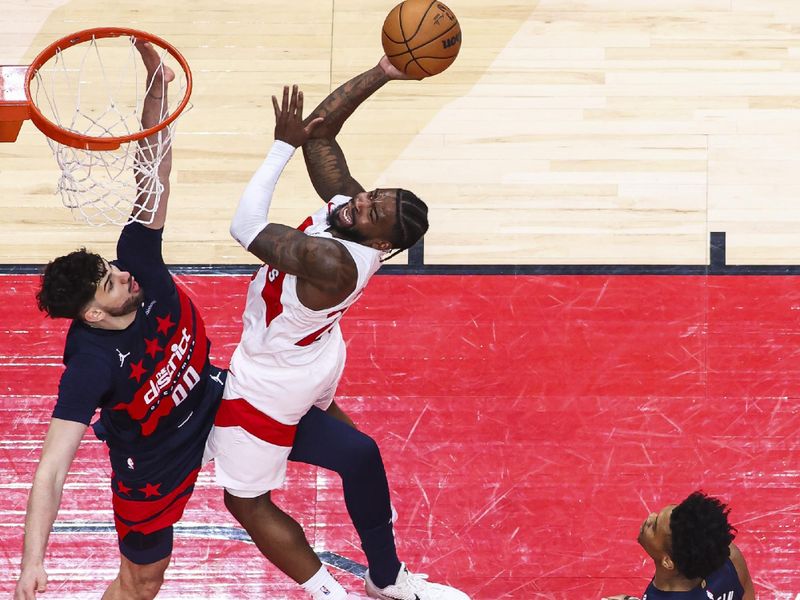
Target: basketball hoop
{"x": 85, "y": 92}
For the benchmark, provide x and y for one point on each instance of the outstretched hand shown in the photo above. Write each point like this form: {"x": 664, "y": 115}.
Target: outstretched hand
{"x": 391, "y": 71}
{"x": 289, "y": 118}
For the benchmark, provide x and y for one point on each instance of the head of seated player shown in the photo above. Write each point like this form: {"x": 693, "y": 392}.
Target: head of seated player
{"x": 384, "y": 219}
{"x": 691, "y": 539}
{"x": 83, "y": 285}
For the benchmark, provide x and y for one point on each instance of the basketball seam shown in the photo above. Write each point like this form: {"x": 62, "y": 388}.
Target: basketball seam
{"x": 414, "y": 60}
{"x": 433, "y": 58}
{"x": 411, "y": 50}
{"x": 400, "y": 24}
{"x": 403, "y": 33}
{"x": 388, "y": 37}
{"x": 421, "y": 21}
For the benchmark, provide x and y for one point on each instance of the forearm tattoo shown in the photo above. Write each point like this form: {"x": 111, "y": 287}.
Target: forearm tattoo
{"x": 324, "y": 158}
{"x": 341, "y": 103}
{"x": 328, "y": 170}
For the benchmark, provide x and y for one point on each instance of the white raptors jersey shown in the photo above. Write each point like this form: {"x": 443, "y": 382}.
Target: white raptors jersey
{"x": 289, "y": 359}
{"x": 278, "y": 330}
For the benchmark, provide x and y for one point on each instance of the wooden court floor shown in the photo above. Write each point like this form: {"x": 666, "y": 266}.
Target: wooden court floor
{"x": 568, "y": 132}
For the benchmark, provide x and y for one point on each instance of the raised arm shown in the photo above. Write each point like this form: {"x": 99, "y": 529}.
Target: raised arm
{"x": 154, "y": 110}
{"x": 324, "y": 158}
{"x": 319, "y": 263}
{"x": 60, "y": 445}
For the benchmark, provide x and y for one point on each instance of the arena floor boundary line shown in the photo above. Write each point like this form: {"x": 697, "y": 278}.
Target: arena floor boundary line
{"x": 416, "y": 266}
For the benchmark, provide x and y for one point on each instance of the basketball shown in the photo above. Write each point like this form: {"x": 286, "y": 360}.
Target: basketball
{"x": 421, "y": 37}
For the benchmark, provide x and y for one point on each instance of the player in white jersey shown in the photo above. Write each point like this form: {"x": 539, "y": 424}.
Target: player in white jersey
{"x": 289, "y": 359}
{"x": 278, "y": 403}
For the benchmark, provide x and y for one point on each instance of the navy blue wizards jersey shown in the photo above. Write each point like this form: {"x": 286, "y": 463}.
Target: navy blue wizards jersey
{"x": 153, "y": 383}
{"x": 722, "y": 584}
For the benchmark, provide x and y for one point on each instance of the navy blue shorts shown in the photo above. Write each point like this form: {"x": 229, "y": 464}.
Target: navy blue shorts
{"x": 145, "y": 549}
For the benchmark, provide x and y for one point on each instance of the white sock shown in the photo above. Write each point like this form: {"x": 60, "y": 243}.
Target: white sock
{"x": 322, "y": 586}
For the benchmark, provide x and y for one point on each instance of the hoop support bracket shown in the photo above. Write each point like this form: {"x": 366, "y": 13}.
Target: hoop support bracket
{"x": 14, "y": 105}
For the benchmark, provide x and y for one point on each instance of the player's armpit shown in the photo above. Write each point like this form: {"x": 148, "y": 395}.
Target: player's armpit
{"x": 328, "y": 170}
{"x": 321, "y": 262}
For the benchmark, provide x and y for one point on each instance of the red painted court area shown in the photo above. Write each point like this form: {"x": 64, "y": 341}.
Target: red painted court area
{"x": 528, "y": 425}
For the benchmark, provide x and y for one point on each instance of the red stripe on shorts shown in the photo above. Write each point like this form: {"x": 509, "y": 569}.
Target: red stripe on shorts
{"x": 240, "y": 413}
{"x": 148, "y": 516}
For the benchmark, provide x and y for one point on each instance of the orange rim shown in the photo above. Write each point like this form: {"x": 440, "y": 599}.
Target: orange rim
{"x": 87, "y": 142}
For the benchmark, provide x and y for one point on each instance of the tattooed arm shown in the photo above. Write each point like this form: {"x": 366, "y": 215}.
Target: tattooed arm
{"x": 328, "y": 169}
{"x": 324, "y": 158}
{"x": 325, "y": 271}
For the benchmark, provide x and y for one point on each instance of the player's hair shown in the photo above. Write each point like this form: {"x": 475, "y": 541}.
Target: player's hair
{"x": 69, "y": 283}
{"x": 412, "y": 221}
{"x": 701, "y": 535}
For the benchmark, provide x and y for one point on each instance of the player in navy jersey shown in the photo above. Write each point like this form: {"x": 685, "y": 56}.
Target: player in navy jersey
{"x": 691, "y": 544}
{"x": 136, "y": 350}
{"x": 279, "y": 397}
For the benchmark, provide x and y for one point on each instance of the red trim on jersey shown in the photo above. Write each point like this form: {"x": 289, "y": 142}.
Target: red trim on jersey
{"x": 313, "y": 337}
{"x": 271, "y": 293}
{"x": 148, "y": 516}
{"x": 306, "y": 224}
{"x": 273, "y": 284}
{"x": 240, "y": 413}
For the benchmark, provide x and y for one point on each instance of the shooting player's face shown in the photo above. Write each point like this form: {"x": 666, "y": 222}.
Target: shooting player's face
{"x": 118, "y": 293}
{"x": 655, "y": 533}
{"x": 368, "y": 218}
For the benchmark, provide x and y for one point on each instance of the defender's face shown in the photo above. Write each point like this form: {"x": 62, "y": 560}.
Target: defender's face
{"x": 368, "y": 218}
{"x": 655, "y": 533}
{"x": 118, "y": 293}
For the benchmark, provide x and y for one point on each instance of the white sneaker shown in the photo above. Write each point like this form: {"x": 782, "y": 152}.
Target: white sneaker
{"x": 411, "y": 586}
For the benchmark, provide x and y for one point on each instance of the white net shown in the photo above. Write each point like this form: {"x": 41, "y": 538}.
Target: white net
{"x": 98, "y": 88}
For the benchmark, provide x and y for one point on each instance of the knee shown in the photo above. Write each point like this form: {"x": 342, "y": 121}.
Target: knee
{"x": 363, "y": 458}
{"x": 251, "y": 512}
{"x": 266, "y": 523}
{"x": 141, "y": 583}
{"x": 242, "y": 508}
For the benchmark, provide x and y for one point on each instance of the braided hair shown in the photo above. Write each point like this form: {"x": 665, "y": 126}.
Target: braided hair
{"x": 701, "y": 535}
{"x": 411, "y": 223}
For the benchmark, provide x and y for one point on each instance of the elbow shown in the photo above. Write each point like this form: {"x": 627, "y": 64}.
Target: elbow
{"x": 236, "y": 233}
{"x": 245, "y": 233}
{"x": 50, "y": 477}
